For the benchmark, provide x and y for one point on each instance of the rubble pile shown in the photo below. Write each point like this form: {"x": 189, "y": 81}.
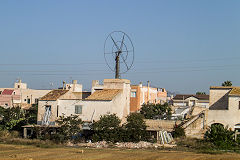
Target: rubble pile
{"x": 101, "y": 144}
{"x": 104, "y": 144}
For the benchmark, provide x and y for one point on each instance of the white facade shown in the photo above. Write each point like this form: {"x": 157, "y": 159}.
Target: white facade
{"x": 191, "y": 101}
{"x": 91, "y": 109}
{"x": 224, "y": 106}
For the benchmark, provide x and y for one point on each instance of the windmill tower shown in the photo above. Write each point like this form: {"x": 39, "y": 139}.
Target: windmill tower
{"x": 119, "y": 52}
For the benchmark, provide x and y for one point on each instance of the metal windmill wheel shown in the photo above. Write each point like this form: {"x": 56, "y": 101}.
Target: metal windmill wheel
{"x": 119, "y": 52}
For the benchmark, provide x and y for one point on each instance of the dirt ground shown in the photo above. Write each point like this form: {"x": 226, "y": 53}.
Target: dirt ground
{"x": 32, "y": 152}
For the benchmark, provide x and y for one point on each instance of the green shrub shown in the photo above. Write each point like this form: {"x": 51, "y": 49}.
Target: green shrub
{"x": 178, "y": 131}
{"x": 107, "y": 128}
{"x": 70, "y": 129}
{"x": 156, "y": 111}
{"x": 136, "y": 128}
{"x": 9, "y": 134}
{"x": 221, "y": 137}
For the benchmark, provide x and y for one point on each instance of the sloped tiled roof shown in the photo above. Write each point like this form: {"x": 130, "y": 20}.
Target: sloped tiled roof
{"x": 221, "y": 87}
{"x": 103, "y": 95}
{"x": 235, "y": 91}
{"x": 54, "y": 95}
{"x": 7, "y": 92}
{"x": 185, "y": 96}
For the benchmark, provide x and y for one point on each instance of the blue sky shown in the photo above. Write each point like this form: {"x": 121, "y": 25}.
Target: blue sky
{"x": 183, "y": 46}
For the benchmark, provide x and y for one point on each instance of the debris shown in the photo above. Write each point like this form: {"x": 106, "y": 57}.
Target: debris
{"x": 130, "y": 145}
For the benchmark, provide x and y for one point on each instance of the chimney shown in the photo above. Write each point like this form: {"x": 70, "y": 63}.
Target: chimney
{"x": 64, "y": 85}
{"x": 74, "y": 81}
{"x": 147, "y": 91}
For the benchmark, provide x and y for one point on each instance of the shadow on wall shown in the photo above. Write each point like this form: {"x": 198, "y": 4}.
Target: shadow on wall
{"x": 221, "y": 104}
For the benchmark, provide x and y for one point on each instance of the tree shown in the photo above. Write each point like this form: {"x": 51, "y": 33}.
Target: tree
{"x": 12, "y": 119}
{"x": 156, "y": 111}
{"x": 136, "y": 128}
{"x": 107, "y": 128}
{"x": 69, "y": 129}
{"x": 220, "y": 136}
{"x": 178, "y": 131}
{"x": 227, "y": 83}
{"x": 201, "y": 93}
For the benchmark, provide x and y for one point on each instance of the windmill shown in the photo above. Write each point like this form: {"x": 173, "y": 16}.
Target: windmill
{"x": 119, "y": 52}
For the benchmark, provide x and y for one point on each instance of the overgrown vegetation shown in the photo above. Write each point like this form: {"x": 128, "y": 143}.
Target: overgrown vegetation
{"x": 220, "y": 136}
{"x": 156, "y": 111}
{"x": 136, "y": 128}
{"x": 108, "y": 128}
{"x": 12, "y": 119}
{"x": 178, "y": 131}
{"x": 200, "y": 93}
{"x": 227, "y": 83}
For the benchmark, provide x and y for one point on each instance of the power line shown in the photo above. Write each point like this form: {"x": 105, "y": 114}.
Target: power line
{"x": 137, "y": 62}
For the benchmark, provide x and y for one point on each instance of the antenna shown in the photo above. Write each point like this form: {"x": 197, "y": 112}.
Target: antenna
{"x": 118, "y": 52}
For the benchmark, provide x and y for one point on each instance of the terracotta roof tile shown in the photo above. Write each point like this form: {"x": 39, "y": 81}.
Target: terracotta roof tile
{"x": 221, "y": 87}
{"x": 7, "y": 92}
{"x": 185, "y": 96}
{"x": 235, "y": 91}
{"x": 54, "y": 95}
{"x": 103, "y": 95}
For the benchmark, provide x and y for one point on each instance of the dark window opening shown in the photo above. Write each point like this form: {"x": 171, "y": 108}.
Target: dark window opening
{"x": 78, "y": 109}
{"x": 36, "y": 101}
{"x": 57, "y": 110}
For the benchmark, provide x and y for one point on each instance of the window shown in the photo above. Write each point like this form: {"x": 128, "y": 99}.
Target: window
{"x": 133, "y": 94}
{"x": 57, "y": 109}
{"x": 36, "y": 100}
{"x": 6, "y": 104}
{"x": 18, "y": 86}
{"x": 28, "y": 101}
{"x": 239, "y": 105}
{"x": 78, "y": 109}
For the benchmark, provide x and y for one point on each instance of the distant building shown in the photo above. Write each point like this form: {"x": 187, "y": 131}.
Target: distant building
{"x": 8, "y": 97}
{"x": 145, "y": 94}
{"x": 22, "y": 96}
{"x": 182, "y": 100}
{"x": 224, "y": 107}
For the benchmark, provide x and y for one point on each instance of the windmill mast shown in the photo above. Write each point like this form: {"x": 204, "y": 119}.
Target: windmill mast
{"x": 118, "y": 48}
{"x": 117, "y": 75}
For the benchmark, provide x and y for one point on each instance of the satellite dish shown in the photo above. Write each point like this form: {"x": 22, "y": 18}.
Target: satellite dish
{"x": 119, "y": 52}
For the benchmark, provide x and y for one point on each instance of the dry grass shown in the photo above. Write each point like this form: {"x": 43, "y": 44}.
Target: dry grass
{"x": 9, "y": 151}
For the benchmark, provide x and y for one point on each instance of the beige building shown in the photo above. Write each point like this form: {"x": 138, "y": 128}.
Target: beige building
{"x": 182, "y": 100}
{"x": 27, "y": 96}
{"x": 224, "y": 106}
{"x": 113, "y": 98}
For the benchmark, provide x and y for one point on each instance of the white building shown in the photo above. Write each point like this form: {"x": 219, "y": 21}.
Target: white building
{"x": 224, "y": 106}
{"x": 114, "y": 98}
{"x": 191, "y": 100}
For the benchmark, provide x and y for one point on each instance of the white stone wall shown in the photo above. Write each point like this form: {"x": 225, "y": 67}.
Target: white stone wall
{"x": 32, "y": 94}
{"x": 41, "y": 110}
{"x": 228, "y": 117}
{"x": 119, "y": 105}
